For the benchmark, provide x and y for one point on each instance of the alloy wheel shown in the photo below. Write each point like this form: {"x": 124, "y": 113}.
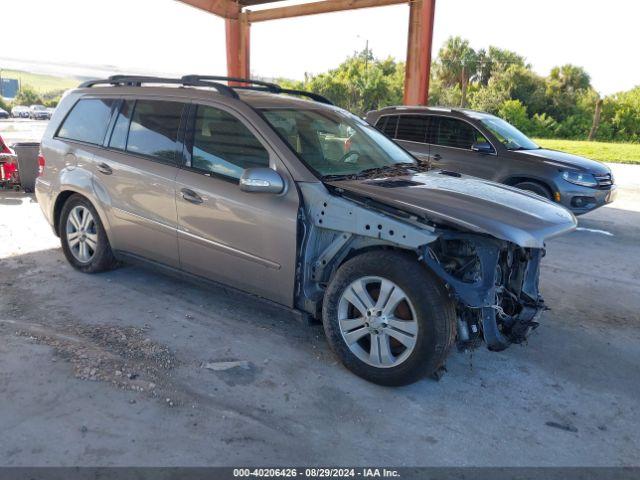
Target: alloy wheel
{"x": 82, "y": 235}
{"x": 377, "y": 321}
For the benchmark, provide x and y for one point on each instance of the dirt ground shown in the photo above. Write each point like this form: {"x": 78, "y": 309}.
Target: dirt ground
{"x": 135, "y": 368}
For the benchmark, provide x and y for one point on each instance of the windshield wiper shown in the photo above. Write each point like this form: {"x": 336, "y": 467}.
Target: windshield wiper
{"x": 392, "y": 170}
{"x": 343, "y": 176}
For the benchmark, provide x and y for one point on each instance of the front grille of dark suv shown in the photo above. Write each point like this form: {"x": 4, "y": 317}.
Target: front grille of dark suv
{"x": 604, "y": 181}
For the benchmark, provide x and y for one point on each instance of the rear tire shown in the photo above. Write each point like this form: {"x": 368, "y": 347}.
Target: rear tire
{"x": 83, "y": 238}
{"x": 424, "y": 319}
{"x": 535, "y": 187}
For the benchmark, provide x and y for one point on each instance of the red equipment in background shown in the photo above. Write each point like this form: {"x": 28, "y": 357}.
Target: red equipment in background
{"x": 9, "y": 177}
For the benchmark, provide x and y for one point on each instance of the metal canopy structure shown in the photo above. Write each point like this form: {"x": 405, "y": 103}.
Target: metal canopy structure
{"x": 239, "y": 17}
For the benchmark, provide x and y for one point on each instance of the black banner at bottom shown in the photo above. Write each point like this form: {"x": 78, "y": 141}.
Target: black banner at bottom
{"x": 347, "y": 473}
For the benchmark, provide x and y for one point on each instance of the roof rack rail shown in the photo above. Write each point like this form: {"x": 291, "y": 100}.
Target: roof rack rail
{"x": 259, "y": 85}
{"x": 138, "y": 80}
{"x": 207, "y": 81}
{"x": 272, "y": 87}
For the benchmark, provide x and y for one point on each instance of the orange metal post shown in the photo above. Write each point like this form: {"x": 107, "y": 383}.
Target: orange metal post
{"x": 238, "y": 46}
{"x": 418, "y": 67}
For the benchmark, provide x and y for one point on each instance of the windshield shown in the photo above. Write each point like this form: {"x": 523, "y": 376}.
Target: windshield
{"x": 507, "y": 134}
{"x": 335, "y": 143}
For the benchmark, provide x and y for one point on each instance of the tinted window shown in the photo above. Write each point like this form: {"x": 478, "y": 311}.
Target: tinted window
{"x": 413, "y": 128}
{"x": 223, "y": 145}
{"x": 154, "y": 129}
{"x": 451, "y": 132}
{"x": 387, "y": 125}
{"x": 121, "y": 128}
{"x": 87, "y": 121}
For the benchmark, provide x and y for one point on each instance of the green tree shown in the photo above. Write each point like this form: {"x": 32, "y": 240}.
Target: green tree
{"x": 621, "y": 116}
{"x": 457, "y": 64}
{"x": 564, "y": 84}
{"x": 514, "y": 112}
{"x": 542, "y": 125}
{"x": 52, "y": 98}
{"x": 361, "y": 83}
{"x": 4, "y": 105}
{"x": 27, "y": 96}
{"x": 496, "y": 60}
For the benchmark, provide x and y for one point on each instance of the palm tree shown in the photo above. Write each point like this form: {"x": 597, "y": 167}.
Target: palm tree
{"x": 457, "y": 65}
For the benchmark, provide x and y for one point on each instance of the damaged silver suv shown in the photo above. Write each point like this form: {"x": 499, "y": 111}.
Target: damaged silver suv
{"x": 303, "y": 204}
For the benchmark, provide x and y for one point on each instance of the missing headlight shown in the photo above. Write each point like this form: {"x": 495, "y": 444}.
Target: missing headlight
{"x": 459, "y": 259}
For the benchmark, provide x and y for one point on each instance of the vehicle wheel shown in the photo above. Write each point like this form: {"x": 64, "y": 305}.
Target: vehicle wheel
{"x": 84, "y": 241}
{"x": 536, "y": 188}
{"x": 388, "y": 318}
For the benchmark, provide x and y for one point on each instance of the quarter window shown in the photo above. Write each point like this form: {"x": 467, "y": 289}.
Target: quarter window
{"x": 222, "y": 144}
{"x": 87, "y": 121}
{"x": 452, "y": 132}
{"x": 412, "y": 128}
{"x": 154, "y": 128}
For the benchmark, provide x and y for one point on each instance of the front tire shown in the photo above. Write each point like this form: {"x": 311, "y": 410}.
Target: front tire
{"x": 83, "y": 238}
{"x": 388, "y": 318}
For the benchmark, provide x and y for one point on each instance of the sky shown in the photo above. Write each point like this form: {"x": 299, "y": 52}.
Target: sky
{"x": 93, "y": 37}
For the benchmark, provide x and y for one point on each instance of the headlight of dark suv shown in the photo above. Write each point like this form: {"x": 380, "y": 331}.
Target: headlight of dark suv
{"x": 580, "y": 178}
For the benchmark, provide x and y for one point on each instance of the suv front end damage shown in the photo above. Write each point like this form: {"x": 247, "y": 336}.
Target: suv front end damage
{"x": 494, "y": 283}
{"x": 488, "y": 258}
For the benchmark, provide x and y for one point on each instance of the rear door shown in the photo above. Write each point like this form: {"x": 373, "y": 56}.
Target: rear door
{"x": 451, "y": 140}
{"x": 247, "y": 240}
{"x": 135, "y": 178}
{"x": 410, "y": 131}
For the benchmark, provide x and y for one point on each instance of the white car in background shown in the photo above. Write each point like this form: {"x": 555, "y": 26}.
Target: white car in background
{"x": 39, "y": 112}
{"x": 20, "y": 111}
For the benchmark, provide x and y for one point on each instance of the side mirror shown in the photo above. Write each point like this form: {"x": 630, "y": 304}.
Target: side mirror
{"x": 261, "y": 180}
{"x": 483, "y": 147}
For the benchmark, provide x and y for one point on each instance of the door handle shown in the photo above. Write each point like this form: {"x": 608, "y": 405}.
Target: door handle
{"x": 104, "y": 168}
{"x": 437, "y": 157}
{"x": 191, "y": 196}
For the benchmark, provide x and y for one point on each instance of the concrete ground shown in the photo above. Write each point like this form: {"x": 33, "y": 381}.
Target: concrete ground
{"x": 128, "y": 368}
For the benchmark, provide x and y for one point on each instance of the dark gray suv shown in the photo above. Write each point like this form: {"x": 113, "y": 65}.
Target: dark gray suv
{"x": 486, "y": 146}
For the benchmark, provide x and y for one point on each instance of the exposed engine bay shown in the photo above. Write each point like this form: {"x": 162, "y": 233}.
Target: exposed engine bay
{"x": 495, "y": 284}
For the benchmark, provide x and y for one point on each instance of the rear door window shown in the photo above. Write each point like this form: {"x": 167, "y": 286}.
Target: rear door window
{"x": 388, "y": 125}
{"x": 451, "y": 132}
{"x": 412, "y": 128}
{"x": 223, "y": 145}
{"x": 87, "y": 121}
{"x": 153, "y": 130}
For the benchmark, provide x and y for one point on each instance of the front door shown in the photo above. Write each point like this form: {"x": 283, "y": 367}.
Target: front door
{"x": 451, "y": 141}
{"x": 246, "y": 240}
